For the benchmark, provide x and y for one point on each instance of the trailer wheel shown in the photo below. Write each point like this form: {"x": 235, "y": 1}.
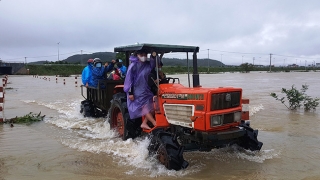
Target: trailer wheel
{"x": 86, "y": 108}
{"x": 118, "y": 119}
{"x": 167, "y": 150}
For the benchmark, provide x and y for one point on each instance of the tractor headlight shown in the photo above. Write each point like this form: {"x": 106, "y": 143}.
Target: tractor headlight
{"x": 237, "y": 116}
{"x": 216, "y": 120}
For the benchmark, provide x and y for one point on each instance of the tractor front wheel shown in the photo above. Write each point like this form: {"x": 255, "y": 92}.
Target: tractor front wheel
{"x": 167, "y": 150}
{"x": 250, "y": 139}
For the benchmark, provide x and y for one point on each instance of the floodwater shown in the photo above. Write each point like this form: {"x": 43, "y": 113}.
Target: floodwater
{"x": 68, "y": 146}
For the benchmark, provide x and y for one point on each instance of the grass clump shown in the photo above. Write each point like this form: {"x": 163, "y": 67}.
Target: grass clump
{"x": 28, "y": 118}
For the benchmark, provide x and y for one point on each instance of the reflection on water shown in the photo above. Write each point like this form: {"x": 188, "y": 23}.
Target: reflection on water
{"x": 68, "y": 146}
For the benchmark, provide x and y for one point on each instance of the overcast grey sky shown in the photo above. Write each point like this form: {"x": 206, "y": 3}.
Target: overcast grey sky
{"x": 32, "y": 28}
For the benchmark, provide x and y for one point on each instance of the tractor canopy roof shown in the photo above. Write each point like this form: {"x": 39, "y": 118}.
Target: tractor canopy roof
{"x": 160, "y": 48}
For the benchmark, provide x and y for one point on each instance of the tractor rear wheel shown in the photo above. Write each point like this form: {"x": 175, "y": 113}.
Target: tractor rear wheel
{"x": 167, "y": 150}
{"x": 118, "y": 118}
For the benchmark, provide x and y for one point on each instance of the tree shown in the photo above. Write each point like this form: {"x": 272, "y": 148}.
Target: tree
{"x": 121, "y": 56}
{"x": 297, "y": 98}
{"x": 246, "y": 67}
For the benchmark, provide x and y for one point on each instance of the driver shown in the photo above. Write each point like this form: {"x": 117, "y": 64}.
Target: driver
{"x": 152, "y": 78}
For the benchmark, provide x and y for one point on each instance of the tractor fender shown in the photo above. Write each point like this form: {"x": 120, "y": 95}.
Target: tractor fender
{"x": 120, "y": 97}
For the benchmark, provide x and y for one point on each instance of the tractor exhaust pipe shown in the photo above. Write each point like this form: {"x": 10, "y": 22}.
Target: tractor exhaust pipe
{"x": 195, "y": 75}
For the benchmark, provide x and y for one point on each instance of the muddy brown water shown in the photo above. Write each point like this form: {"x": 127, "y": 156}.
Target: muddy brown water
{"x": 68, "y": 146}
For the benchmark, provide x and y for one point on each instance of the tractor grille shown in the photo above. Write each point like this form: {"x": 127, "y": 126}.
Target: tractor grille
{"x": 225, "y": 100}
{"x": 228, "y": 118}
{"x": 179, "y": 114}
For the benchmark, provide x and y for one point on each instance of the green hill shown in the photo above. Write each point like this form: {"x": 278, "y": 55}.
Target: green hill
{"x": 108, "y": 56}
{"x": 82, "y": 59}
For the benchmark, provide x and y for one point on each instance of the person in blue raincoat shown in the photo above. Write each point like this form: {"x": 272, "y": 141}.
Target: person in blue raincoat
{"x": 98, "y": 72}
{"x": 122, "y": 68}
{"x": 136, "y": 86}
{"x": 87, "y": 73}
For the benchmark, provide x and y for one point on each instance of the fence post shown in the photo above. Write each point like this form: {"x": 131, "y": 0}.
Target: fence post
{"x": 76, "y": 81}
{"x": 2, "y": 103}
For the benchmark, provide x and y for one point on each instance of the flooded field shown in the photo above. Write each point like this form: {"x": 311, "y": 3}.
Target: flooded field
{"x": 68, "y": 146}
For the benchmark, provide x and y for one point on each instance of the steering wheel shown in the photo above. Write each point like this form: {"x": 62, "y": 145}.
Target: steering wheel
{"x": 173, "y": 80}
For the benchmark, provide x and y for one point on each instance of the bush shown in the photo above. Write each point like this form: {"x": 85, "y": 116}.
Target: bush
{"x": 297, "y": 98}
{"x": 28, "y": 118}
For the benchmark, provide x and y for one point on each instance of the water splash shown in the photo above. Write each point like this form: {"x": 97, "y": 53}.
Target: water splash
{"x": 132, "y": 153}
{"x": 94, "y": 135}
{"x": 236, "y": 152}
{"x": 253, "y": 109}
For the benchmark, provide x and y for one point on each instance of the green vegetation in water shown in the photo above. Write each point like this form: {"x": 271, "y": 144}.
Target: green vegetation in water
{"x": 297, "y": 98}
{"x": 28, "y": 118}
{"x": 55, "y": 69}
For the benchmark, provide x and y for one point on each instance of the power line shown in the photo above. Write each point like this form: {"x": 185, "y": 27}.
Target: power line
{"x": 294, "y": 56}
{"x": 88, "y": 52}
{"x": 173, "y": 54}
{"x": 15, "y": 58}
{"x": 237, "y": 52}
{"x": 261, "y": 54}
{"x": 43, "y": 56}
{"x": 54, "y": 55}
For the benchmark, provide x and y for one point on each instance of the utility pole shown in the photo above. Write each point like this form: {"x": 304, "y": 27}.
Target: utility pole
{"x": 81, "y": 58}
{"x": 259, "y": 61}
{"x": 208, "y": 59}
{"x": 270, "y": 62}
{"x": 253, "y": 61}
{"x": 25, "y": 60}
{"x": 58, "y": 50}
{"x": 242, "y": 59}
{"x": 221, "y": 60}
{"x": 314, "y": 64}
{"x": 305, "y": 66}
{"x": 300, "y": 62}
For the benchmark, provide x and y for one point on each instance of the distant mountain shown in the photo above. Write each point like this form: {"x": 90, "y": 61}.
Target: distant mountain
{"x": 183, "y": 62}
{"x": 82, "y": 59}
{"x": 108, "y": 56}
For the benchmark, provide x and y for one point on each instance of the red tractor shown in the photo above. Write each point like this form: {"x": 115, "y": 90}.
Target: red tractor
{"x": 187, "y": 118}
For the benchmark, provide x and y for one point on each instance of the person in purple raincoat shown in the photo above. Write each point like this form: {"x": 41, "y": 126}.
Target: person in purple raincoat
{"x": 136, "y": 86}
